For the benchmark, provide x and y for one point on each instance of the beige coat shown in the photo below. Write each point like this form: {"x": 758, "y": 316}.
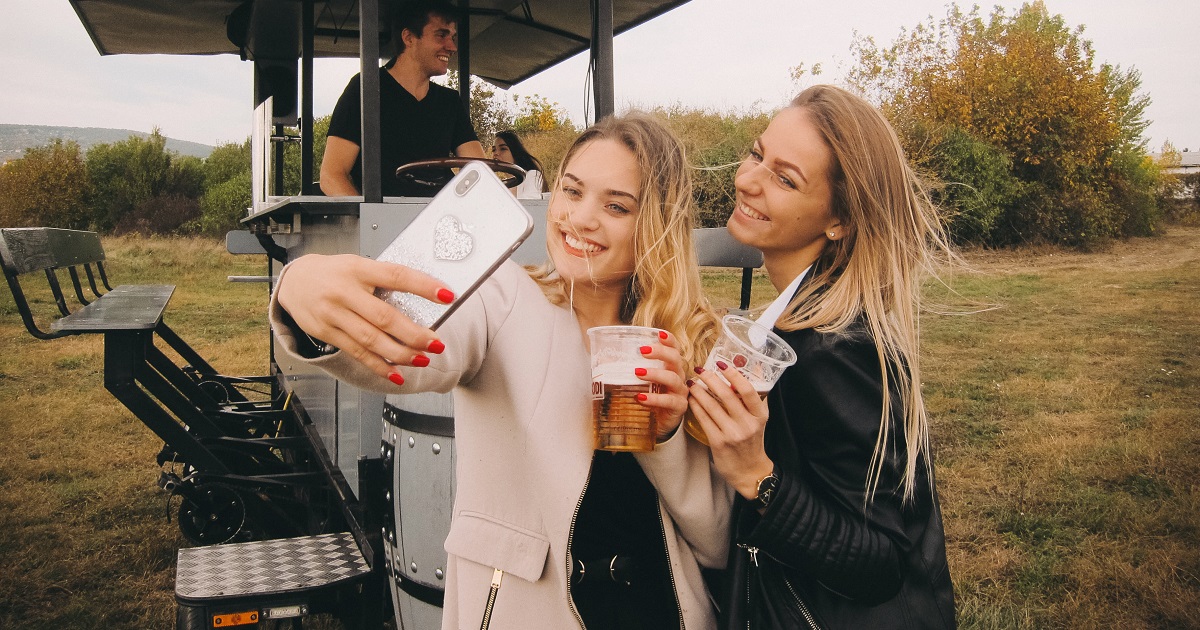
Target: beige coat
{"x": 521, "y": 379}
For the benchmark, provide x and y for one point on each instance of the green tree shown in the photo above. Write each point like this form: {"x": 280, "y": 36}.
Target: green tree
{"x": 48, "y": 186}
{"x": 227, "y": 190}
{"x": 292, "y": 176}
{"x": 125, "y": 174}
{"x": 487, "y": 108}
{"x": 1026, "y": 84}
{"x": 537, "y": 114}
{"x": 224, "y": 204}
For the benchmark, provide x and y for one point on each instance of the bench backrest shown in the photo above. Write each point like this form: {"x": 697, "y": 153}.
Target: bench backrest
{"x": 41, "y": 249}
{"x": 716, "y": 248}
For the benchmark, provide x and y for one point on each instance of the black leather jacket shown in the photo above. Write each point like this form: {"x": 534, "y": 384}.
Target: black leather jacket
{"x": 884, "y": 569}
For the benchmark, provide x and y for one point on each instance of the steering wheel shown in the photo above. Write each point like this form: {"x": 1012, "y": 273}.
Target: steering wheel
{"x": 433, "y": 174}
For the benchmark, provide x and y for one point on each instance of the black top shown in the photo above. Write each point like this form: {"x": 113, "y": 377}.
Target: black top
{"x": 410, "y": 130}
{"x": 619, "y": 516}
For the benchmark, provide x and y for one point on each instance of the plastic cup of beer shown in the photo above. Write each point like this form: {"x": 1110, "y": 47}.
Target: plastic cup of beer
{"x": 621, "y": 422}
{"x": 759, "y": 354}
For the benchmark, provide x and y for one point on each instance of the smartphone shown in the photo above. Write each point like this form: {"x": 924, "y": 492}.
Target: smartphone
{"x": 465, "y": 233}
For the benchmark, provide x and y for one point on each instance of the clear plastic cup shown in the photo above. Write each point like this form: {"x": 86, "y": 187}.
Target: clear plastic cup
{"x": 620, "y": 421}
{"x": 759, "y": 354}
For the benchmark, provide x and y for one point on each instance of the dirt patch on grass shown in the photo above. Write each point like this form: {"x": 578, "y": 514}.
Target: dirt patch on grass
{"x": 1173, "y": 247}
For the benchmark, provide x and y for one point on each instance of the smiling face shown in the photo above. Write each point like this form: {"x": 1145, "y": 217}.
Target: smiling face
{"x": 433, "y": 48}
{"x": 593, "y": 213}
{"x": 784, "y": 195}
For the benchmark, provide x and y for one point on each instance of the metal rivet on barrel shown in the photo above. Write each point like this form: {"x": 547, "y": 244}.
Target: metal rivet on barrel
{"x": 413, "y": 567}
{"x": 412, "y": 442}
{"x": 438, "y": 574}
{"x": 437, "y": 448}
{"x": 374, "y": 226}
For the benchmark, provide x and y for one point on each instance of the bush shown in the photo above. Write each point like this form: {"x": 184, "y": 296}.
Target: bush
{"x": 166, "y": 215}
{"x": 1027, "y": 84}
{"x": 973, "y": 184}
{"x": 716, "y": 144}
{"x": 49, "y": 186}
{"x": 224, "y": 204}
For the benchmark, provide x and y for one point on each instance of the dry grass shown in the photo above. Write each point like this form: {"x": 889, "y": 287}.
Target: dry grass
{"x": 1065, "y": 428}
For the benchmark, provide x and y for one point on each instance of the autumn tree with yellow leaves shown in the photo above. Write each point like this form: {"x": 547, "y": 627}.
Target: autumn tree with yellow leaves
{"x": 1028, "y": 138}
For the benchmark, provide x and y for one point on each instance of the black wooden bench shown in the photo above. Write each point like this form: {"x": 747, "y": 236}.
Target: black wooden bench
{"x": 206, "y": 421}
{"x": 244, "y": 473}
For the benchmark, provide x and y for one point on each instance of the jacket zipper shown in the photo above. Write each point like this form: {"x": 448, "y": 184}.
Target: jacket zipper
{"x": 570, "y": 538}
{"x": 812, "y": 623}
{"x": 497, "y": 576}
{"x": 753, "y": 551}
{"x": 808, "y": 618}
{"x": 662, "y": 527}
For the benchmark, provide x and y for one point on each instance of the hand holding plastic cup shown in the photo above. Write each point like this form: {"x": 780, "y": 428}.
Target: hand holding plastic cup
{"x": 757, "y": 353}
{"x": 621, "y": 422}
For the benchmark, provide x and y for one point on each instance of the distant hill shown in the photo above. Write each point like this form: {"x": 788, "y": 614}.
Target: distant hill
{"x": 14, "y": 139}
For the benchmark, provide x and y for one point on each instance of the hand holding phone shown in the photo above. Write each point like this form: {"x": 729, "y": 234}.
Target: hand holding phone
{"x": 465, "y": 233}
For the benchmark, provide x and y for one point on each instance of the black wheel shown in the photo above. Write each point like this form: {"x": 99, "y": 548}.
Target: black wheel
{"x": 218, "y": 515}
{"x": 190, "y": 618}
{"x": 215, "y": 390}
{"x": 433, "y": 174}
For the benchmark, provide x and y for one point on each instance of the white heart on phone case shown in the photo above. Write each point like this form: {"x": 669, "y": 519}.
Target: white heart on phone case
{"x": 450, "y": 240}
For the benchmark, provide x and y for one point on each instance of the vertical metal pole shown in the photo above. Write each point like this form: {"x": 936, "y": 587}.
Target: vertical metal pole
{"x": 368, "y": 49}
{"x": 602, "y": 53}
{"x": 464, "y": 52}
{"x": 306, "y": 101}
{"x": 279, "y": 147}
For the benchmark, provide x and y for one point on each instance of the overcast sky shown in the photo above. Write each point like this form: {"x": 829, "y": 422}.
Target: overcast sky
{"x": 716, "y": 54}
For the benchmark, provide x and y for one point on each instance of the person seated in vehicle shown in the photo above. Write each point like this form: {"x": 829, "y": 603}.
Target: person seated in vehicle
{"x": 418, "y": 119}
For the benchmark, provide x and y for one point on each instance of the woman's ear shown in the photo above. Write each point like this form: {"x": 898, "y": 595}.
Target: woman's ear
{"x": 835, "y": 231}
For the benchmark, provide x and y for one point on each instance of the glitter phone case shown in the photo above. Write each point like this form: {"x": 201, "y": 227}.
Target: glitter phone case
{"x": 469, "y": 228}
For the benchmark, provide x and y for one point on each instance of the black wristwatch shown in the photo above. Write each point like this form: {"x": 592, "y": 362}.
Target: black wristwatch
{"x": 766, "y": 489}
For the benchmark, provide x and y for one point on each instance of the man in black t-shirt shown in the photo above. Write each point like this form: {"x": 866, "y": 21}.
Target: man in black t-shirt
{"x": 419, "y": 120}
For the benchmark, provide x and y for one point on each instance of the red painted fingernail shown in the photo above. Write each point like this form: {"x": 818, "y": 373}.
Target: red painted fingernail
{"x": 721, "y": 365}
{"x": 639, "y": 371}
{"x": 445, "y": 295}
{"x": 436, "y": 346}
{"x": 646, "y": 349}
{"x": 699, "y": 370}
{"x": 420, "y": 360}
{"x": 662, "y": 334}
{"x": 690, "y": 382}
{"x": 643, "y": 397}
{"x": 396, "y": 378}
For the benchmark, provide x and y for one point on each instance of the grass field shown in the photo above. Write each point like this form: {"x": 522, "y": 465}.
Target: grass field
{"x": 1065, "y": 423}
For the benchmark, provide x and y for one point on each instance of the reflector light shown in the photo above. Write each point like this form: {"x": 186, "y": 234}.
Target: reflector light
{"x": 229, "y": 620}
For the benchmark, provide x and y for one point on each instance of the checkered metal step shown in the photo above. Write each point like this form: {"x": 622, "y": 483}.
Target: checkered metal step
{"x": 268, "y": 567}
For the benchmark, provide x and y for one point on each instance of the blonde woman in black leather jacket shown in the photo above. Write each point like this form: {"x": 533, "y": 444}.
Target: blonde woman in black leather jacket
{"x": 836, "y": 523}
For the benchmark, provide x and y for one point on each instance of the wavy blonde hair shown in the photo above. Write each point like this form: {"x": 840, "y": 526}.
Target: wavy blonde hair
{"x": 664, "y": 291}
{"x": 894, "y": 235}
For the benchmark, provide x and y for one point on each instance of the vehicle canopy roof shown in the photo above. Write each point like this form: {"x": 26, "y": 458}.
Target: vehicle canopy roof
{"x": 510, "y": 40}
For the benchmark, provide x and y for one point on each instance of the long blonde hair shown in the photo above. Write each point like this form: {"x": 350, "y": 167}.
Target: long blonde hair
{"x": 664, "y": 291}
{"x": 873, "y": 273}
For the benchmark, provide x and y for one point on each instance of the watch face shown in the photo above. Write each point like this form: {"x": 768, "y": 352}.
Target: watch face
{"x": 766, "y": 489}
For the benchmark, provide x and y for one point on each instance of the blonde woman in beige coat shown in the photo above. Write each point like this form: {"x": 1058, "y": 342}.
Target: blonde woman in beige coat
{"x": 530, "y": 490}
